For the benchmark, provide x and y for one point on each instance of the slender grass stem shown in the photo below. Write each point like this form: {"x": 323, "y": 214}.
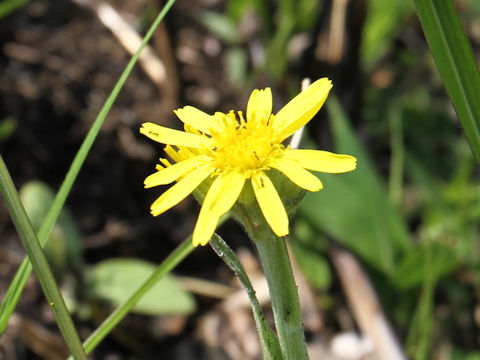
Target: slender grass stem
{"x": 39, "y": 263}
{"x": 395, "y": 181}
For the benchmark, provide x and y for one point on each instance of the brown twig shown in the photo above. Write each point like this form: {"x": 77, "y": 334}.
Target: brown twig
{"x": 365, "y": 305}
{"x": 128, "y": 38}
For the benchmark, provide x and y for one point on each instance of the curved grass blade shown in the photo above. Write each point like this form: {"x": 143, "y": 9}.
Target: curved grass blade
{"x": 16, "y": 287}
{"x": 268, "y": 340}
{"x": 39, "y": 263}
{"x": 455, "y": 61}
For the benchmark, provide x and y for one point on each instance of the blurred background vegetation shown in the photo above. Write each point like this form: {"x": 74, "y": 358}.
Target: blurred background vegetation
{"x": 410, "y": 212}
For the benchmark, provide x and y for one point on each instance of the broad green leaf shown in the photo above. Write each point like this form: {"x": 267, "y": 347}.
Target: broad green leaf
{"x": 175, "y": 257}
{"x": 354, "y": 208}
{"x": 455, "y": 61}
{"x": 64, "y": 249}
{"x": 114, "y": 280}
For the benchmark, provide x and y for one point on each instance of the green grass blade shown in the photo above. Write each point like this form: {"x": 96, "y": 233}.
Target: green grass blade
{"x": 16, "y": 287}
{"x": 39, "y": 263}
{"x": 455, "y": 61}
{"x": 270, "y": 345}
{"x": 9, "y": 6}
{"x": 115, "y": 317}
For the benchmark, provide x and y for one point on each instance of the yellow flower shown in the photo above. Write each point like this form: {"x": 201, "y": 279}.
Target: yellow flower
{"x": 233, "y": 149}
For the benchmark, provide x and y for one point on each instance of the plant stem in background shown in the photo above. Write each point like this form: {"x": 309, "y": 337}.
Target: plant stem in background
{"x": 455, "y": 61}
{"x": 395, "y": 181}
{"x": 16, "y": 287}
{"x": 39, "y": 263}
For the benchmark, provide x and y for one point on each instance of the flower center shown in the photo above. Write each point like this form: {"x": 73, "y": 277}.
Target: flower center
{"x": 245, "y": 146}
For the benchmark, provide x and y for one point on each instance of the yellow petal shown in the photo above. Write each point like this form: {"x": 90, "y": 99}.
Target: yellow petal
{"x": 322, "y": 161}
{"x": 302, "y": 108}
{"x": 204, "y": 229}
{"x": 260, "y": 101}
{"x": 172, "y": 153}
{"x": 174, "y": 137}
{"x": 180, "y": 190}
{"x": 223, "y": 193}
{"x": 220, "y": 198}
{"x": 298, "y": 175}
{"x": 195, "y": 118}
{"x": 270, "y": 204}
{"x": 171, "y": 173}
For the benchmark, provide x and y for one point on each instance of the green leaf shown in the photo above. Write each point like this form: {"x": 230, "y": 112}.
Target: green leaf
{"x": 115, "y": 280}
{"x": 175, "y": 257}
{"x": 459, "y": 354}
{"x": 64, "y": 249}
{"x": 354, "y": 208}
{"x": 7, "y": 127}
{"x": 383, "y": 22}
{"x": 219, "y": 25}
{"x": 412, "y": 271}
{"x": 236, "y": 64}
{"x": 455, "y": 61}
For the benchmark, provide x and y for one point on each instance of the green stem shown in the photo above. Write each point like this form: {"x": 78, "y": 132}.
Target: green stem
{"x": 39, "y": 263}
{"x": 395, "y": 181}
{"x": 281, "y": 283}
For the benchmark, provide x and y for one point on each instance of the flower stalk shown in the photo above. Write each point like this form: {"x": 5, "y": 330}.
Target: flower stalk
{"x": 281, "y": 283}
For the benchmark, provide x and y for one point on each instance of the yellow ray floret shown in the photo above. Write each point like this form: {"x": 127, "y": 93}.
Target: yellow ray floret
{"x": 221, "y": 196}
{"x": 297, "y": 174}
{"x": 270, "y": 204}
{"x": 323, "y": 161}
{"x": 231, "y": 149}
